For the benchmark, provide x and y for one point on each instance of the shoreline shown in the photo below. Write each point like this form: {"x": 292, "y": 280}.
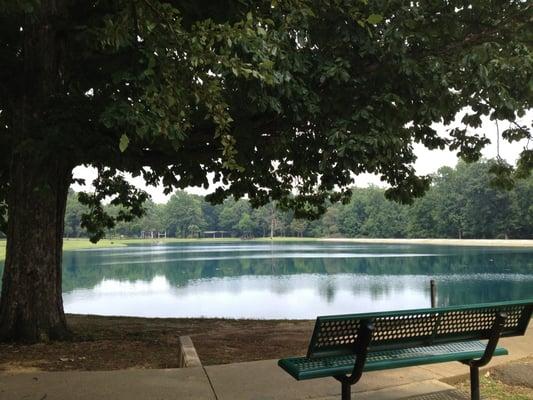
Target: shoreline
{"x": 70, "y": 244}
{"x": 440, "y": 242}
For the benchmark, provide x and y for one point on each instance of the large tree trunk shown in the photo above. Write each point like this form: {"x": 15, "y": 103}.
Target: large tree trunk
{"x": 31, "y": 305}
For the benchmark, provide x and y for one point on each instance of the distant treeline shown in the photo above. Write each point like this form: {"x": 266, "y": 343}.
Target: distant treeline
{"x": 460, "y": 204}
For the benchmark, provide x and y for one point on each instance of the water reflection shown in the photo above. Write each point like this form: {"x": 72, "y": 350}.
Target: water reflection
{"x": 300, "y": 296}
{"x": 287, "y": 280}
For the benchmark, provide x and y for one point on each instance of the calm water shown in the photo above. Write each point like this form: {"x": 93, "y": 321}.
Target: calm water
{"x": 287, "y": 280}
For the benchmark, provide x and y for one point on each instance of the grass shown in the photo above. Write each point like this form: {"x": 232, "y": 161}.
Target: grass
{"x": 493, "y": 389}
{"x": 71, "y": 244}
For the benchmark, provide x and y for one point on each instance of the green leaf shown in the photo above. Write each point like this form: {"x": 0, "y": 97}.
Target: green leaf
{"x": 123, "y": 143}
{"x": 374, "y": 19}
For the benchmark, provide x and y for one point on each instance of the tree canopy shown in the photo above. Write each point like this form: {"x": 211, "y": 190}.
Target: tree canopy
{"x": 268, "y": 96}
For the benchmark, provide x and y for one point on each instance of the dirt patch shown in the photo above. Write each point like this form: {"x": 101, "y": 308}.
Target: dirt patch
{"x": 107, "y": 343}
{"x": 518, "y": 373}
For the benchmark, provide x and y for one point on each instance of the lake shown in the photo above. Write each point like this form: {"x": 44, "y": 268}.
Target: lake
{"x": 287, "y": 279}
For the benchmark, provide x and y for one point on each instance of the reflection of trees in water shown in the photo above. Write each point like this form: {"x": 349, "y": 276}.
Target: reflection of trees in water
{"x": 378, "y": 290}
{"x": 281, "y": 286}
{"x": 81, "y": 271}
{"x": 482, "y": 291}
{"x": 327, "y": 289}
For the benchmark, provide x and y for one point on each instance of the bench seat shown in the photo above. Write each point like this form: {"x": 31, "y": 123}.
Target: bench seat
{"x": 319, "y": 367}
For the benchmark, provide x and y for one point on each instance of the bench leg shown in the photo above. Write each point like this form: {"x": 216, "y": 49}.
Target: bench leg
{"x": 474, "y": 383}
{"x": 497, "y": 327}
{"x": 346, "y": 391}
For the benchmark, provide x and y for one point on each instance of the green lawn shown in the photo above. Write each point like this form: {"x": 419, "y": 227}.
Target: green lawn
{"x": 492, "y": 389}
{"x": 73, "y": 244}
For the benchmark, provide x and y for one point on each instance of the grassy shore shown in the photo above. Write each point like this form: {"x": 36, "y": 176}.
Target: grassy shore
{"x": 73, "y": 244}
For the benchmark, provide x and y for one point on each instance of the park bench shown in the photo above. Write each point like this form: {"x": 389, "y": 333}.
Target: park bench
{"x": 345, "y": 346}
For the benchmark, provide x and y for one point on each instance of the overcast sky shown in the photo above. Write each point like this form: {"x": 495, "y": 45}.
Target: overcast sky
{"x": 428, "y": 161}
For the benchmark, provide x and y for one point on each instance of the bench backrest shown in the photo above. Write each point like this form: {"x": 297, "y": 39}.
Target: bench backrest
{"x": 337, "y": 334}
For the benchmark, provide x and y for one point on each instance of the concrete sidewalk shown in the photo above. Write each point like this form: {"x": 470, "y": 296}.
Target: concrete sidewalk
{"x": 259, "y": 380}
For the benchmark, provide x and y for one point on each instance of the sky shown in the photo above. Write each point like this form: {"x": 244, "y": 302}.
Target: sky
{"x": 429, "y": 161}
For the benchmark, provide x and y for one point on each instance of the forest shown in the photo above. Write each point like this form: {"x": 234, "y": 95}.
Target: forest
{"x": 461, "y": 203}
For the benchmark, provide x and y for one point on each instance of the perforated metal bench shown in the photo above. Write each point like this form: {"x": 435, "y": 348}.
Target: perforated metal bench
{"x": 345, "y": 346}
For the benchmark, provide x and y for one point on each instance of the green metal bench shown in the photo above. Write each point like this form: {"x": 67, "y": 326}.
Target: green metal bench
{"x": 345, "y": 346}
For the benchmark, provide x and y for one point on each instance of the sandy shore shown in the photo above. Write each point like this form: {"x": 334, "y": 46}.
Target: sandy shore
{"x": 441, "y": 242}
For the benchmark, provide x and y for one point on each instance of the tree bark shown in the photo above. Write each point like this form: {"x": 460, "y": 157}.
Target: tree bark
{"x": 31, "y": 305}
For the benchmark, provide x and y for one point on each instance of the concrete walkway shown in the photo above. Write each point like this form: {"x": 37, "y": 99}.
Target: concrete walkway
{"x": 258, "y": 380}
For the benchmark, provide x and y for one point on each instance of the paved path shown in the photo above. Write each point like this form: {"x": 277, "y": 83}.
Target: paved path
{"x": 258, "y": 380}
{"x": 185, "y": 383}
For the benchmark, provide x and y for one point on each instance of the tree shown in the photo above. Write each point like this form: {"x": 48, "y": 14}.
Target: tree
{"x": 278, "y": 100}
{"x": 331, "y": 221}
{"x": 246, "y": 226}
{"x": 194, "y": 230}
{"x": 354, "y": 214}
{"x": 231, "y": 214}
{"x": 421, "y": 222}
{"x": 522, "y": 209}
{"x": 182, "y": 211}
{"x": 267, "y": 220}
{"x": 210, "y": 214}
{"x": 73, "y": 215}
{"x": 385, "y": 219}
{"x": 299, "y": 226}
{"x": 448, "y": 215}
{"x": 151, "y": 221}
{"x": 486, "y": 211}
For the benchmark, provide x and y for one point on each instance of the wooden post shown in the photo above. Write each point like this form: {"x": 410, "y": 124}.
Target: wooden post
{"x": 433, "y": 290}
